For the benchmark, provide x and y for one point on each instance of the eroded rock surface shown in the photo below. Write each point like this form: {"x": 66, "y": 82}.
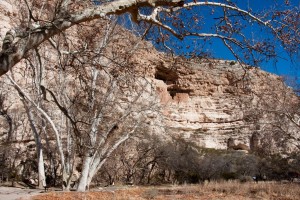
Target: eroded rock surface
{"x": 208, "y": 101}
{"x": 204, "y": 101}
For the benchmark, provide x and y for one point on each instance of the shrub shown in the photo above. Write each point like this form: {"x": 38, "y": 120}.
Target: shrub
{"x": 244, "y": 179}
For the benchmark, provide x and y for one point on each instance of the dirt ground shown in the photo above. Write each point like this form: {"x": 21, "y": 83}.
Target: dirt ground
{"x": 213, "y": 190}
{"x": 209, "y": 191}
{"x": 14, "y": 193}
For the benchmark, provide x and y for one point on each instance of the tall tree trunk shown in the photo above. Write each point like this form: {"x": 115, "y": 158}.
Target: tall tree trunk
{"x": 83, "y": 181}
{"x": 41, "y": 169}
{"x": 99, "y": 160}
{"x": 59, "y": 144}
{"x": 39, "y": 149}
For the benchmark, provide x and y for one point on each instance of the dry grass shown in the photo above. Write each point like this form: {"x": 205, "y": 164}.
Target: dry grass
{"x": 215, "y": 190}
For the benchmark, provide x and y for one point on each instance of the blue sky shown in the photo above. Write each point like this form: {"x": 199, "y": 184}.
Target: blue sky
{"x": 284, "y": 65}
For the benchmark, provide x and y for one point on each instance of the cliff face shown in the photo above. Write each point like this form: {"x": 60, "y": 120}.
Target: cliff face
{"x": 208, "y": 101}
{"x": 205, "y": 101}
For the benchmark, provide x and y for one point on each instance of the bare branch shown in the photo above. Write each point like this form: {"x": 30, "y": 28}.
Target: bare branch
{"x": 222, "y": 5}
{"x": 34, "y": 37}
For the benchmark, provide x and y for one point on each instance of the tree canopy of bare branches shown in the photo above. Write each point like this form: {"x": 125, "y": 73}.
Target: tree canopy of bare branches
{"x": 82, "y": 84}
{"x": 42, "y": 20}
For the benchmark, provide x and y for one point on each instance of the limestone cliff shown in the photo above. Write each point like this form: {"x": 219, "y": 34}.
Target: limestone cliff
{"x": 209, "y": 101}
{"x": 206, "y": 101}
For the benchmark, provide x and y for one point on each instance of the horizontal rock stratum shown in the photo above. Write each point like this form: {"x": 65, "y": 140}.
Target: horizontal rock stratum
{"x": 209, "y": 101}
{"x": 205, "y": 101}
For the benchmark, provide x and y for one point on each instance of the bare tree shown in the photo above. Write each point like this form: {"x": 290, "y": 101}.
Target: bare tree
{"x": 99, "y": 106}
{"x": 103, "y": 104}
{"x": 4, "y": 113}
{"x": 165, "y": 15}
{"x": 7, "y": 128}
{"x": 274, "y": 113}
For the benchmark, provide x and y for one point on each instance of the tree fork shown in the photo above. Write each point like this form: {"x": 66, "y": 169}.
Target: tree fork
{"x": 12, "y": 53}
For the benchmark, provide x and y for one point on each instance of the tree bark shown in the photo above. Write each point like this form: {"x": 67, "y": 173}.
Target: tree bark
{"x": 13, "y": 52}
{"x": 82, "y": 186}
{"x": 65, "y": 175}
{"x": 41, "y": 169}
{"x": 39, "y": 148}
{"x": 98, "y": 162}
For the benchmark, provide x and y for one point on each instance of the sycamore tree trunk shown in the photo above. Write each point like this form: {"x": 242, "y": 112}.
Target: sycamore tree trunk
{"x": 99, "y": 150}
{"x": 93, "y": 162}
{"x": 59, "y": 144}
{"x": 41, "y": 169}
{"x": 83, "y": 181}
{"x": 39, "y": 148}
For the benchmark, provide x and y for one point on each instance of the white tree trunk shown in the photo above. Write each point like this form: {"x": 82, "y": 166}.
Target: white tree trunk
{"x": 82, "y": 186}
{"x": 99, "y": 161}
{"x": 39, "y": 149}
{"x": 41, "y": 169}
{"x": 59, "y": 145}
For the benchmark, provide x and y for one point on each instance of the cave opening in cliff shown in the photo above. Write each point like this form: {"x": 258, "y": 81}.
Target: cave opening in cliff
{"x": 168, "y": 76}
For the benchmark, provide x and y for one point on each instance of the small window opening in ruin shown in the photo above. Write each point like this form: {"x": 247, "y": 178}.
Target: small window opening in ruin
{"x": 174, "y": 91}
